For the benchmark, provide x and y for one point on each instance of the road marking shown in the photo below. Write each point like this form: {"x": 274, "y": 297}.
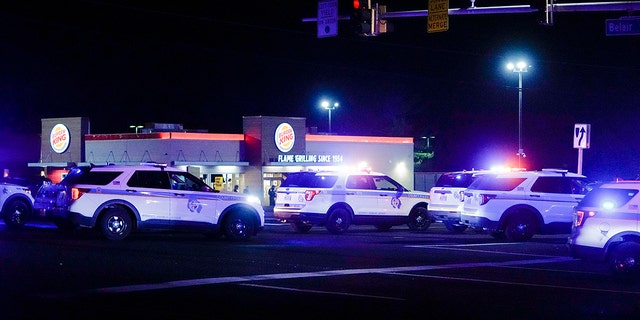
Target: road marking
{"x": 328, "y": 273}
{"x": 321, "y": 292}
{"x": 456, "y": 248}
{"x": 519, "y": 283}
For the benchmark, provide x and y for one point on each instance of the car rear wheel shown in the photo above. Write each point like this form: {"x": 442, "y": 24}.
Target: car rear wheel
{"x": 116, "y": 224}
{"x": 301, "y": 226}
{"x": 419, "y": 219}
{"x": 625, "y": 260}
{"x": 520, "y": 227}
{"x": 16, "y": 213}
{"x": 238, "y": 227}
{"x": 339, "y": 220}
{"x": 455, "y": 228}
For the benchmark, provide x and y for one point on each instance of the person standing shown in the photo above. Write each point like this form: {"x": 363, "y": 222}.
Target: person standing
{"x": 272, "y": 195}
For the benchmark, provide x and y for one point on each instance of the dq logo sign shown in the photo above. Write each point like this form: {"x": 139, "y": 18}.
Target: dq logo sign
{"x": 59, "y": 138}
{"x": 285, "y": 137}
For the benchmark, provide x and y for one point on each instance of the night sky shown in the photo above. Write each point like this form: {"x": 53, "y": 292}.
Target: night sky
{"x": 205, "y": 64}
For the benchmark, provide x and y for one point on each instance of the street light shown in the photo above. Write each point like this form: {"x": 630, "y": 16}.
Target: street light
{"x": 136, "y": 128}
{"x": 327, "y": 105}
{"x": 519, "y": 67}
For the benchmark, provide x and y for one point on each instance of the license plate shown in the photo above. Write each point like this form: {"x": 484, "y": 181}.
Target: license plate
{"x": 287, "y": 197}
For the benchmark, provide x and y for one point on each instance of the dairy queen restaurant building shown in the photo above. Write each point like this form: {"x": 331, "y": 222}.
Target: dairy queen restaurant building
{"x": 268, "y": 149}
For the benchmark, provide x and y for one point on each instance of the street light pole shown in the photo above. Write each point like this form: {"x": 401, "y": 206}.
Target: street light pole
{"x": 136, "y": 127}
{"x": 327, "y": 105}
{"x": 520, "y": 67}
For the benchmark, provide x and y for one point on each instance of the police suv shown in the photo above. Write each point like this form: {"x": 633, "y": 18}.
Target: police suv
{"x": 118, "y": 200}
{"x": 446, "y": 198}
{"x": 337, "y": 200}
{"x": 16, "y": 204}
{"x": 606, "y": 227}
{"x": 518, "y": 204}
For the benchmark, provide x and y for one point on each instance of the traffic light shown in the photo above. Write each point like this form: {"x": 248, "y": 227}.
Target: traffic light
{"x": 361, "y": 20}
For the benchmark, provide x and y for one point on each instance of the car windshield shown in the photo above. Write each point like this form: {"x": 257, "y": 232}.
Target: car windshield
{"x": 608, "y": 198}
{"x": 84, "y": 175}
{"x": 309, "y": 180}
{"x": 455, "y": 180}
{"x": 494, "y": 183}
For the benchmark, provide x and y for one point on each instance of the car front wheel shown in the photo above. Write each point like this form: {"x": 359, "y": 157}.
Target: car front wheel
{"x": 419, "y": 219}
{"x": 16, "y": 213}
{"x": 238, "y": 227}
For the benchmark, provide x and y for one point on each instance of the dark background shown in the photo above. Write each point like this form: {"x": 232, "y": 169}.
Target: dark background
{"x": 207, "y": 64}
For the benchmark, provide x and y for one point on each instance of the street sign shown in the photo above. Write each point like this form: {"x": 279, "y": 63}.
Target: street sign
{"x": 327, "y": 18}
{"x": 438, "y": 16}
{"x": 581, "y": 136}
{"x": 623, "y": 27}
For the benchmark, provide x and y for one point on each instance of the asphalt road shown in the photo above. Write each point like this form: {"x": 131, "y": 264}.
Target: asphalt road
{"x": 397, "y": 274}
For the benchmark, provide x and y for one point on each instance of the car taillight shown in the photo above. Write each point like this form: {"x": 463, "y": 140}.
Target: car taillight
{"x": 76, "y": 193}
{"x": 484, "y": 198}
{"x": 581, "y": 216}
{"x": 309, "y": 194}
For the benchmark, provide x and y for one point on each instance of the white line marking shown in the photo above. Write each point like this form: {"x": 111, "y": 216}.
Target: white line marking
{"x": 328, "y": 273}
{"x": 519, "y": 283}
{"x": 321, "y": 292}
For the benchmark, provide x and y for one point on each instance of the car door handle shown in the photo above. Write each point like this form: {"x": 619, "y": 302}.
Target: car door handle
{"x": 534, "y": 195}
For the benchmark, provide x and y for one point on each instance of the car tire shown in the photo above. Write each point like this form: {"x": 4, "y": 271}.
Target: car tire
{"x": 116, "y": 224}
{"x": 454, "y": 227}
{"x": 624, "y": 261}
{"x": 339, "y": 220}
{"x": 520, "y": 227}
{"x": 301, "y": 226}
{"x": 16, "y": 213}
{"x": 238, "y": 227}
{"x": 419, "y": 219}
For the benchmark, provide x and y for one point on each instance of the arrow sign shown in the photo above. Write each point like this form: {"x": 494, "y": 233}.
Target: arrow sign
{"x": 581, "y": 136}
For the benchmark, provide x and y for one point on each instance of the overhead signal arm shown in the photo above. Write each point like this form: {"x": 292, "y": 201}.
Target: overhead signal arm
{"x": 379, "y": 15}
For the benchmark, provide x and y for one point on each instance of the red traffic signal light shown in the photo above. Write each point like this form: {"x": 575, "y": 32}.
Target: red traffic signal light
{"x": 356, "y": 4}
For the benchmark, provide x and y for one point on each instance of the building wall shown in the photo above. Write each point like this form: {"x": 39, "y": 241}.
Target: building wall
{"x": 162, "y": 148}
{"x": 393, "y": 159}
{"x": 77, "y": 128}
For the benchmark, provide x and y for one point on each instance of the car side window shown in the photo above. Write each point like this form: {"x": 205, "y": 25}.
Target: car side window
{"x": 384, "y": 183}
{"x": 184, "y": 181}
{"x": 359, "y": 182}
{"x": 551, "y": 185}
{"x": 149, "y": 179}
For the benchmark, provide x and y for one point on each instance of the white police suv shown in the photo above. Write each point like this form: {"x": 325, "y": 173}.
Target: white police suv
{"x": 118, "y": 200}
{"x": 518, "y": 204}
{"x": 606, "y": 227}
{"x": 337, "y": 200}
{"x": 446, "y": 198}
{"x": 16, "y": 203}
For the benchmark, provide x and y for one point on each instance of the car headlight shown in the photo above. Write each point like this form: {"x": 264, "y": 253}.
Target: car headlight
{"x": 254, "y": 199}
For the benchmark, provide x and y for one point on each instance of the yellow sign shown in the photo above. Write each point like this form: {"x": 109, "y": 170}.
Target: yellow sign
{"x": 438, "y": 16}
